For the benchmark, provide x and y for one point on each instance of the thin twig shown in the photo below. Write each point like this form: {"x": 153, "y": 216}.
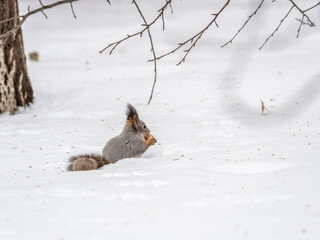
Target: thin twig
{"x": 74, "y": 15}
{"x": 281, "y": 21}
{"x": 301, "y": 23}
{"x": 146, "y": 26}
{"x": 194, "y": 39}
{"x": 262, "y": 107}
{"x": 255, "y": 12}
{"x": 163, "y": 23}
{"x": 170, "y": 4}
{"x": 24, "y": 17}
{"x": 45, "y": 15}
{"x": 152, "y": 49}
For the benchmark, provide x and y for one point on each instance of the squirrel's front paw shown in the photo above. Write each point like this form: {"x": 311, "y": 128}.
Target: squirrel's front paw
{"x": 150, "y": 140}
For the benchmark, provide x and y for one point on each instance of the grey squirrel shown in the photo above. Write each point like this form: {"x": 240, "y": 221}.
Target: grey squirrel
{"x": 134, "y": 140}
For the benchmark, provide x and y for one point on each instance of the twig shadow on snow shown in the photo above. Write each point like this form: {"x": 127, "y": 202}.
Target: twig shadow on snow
{"x": 290, "y": 109}
{"x": 239, "y": 64}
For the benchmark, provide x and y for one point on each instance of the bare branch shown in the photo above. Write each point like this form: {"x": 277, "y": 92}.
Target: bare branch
{"x": 146, "y": 26}
{"x": 115, "y": 44}
{"x": 281, "y": 21}
{"x": 194, "y": 39}
{"x": 254, "y": 13}
{"x": 311, "y": 24}
{"x": 24, "y": 17}
{"x": 152, "y": 49}
{"x": 312, "y": 7}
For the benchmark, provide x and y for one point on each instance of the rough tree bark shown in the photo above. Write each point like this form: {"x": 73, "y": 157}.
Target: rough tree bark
{"x": 15, "y": 86}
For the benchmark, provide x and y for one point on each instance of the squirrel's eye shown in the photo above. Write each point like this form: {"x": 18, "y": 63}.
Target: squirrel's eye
{"x": 144, "y": 126}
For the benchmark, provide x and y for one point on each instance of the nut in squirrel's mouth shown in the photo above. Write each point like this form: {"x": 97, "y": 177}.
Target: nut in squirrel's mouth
{"x": 148, "y": 136}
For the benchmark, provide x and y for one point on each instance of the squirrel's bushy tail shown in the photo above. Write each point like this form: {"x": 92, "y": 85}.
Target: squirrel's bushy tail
{"x": 86, "y": 162}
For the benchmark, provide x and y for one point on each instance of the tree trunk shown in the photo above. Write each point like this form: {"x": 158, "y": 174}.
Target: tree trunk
{"x": 15, "y": 86}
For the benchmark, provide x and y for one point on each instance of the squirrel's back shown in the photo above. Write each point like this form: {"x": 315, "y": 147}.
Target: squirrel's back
{"x": 127, "y": 145}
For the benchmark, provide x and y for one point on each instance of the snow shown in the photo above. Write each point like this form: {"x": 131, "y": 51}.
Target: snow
{"x": 220, "y": 169}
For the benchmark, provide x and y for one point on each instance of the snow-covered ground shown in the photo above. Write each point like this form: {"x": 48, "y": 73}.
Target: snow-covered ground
{"x": 220, "y": 170}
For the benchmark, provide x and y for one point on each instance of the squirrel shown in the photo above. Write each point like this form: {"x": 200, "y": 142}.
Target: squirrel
{"x": 134, "y": 140}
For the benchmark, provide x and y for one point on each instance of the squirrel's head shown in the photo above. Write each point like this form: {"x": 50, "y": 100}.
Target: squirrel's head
{"x": 134, "y": 120}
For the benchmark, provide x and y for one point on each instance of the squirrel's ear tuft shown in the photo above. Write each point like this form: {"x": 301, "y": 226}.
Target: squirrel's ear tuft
{"x": 132, "y": 116}
{"x": 131, "y": 112}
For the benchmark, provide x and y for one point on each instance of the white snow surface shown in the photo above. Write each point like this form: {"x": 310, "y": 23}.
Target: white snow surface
{"x": 220, "y": 169}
